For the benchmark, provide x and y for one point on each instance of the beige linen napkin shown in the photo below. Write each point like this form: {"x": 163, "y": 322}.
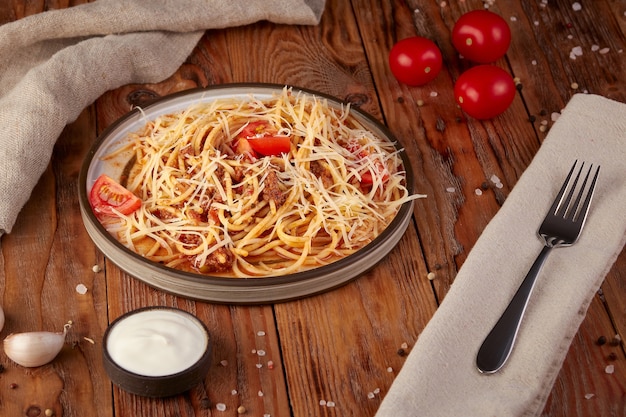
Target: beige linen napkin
{"x": 54, "y": 64}
{"x": 440, "y": 377}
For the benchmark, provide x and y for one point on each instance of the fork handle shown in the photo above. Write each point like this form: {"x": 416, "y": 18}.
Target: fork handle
{"x": 498, "y": 344}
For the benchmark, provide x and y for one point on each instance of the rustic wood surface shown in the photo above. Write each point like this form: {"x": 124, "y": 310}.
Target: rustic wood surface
{"x": 345, "y": 346}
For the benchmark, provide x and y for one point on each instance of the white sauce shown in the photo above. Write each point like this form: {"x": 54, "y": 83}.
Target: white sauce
{"x": 157, "y": 342}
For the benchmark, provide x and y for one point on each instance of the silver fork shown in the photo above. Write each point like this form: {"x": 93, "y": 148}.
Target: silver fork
{"x": 561, "y": 227}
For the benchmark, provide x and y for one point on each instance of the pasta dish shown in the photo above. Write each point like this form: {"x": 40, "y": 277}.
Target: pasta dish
{"x": 253, "y": 188}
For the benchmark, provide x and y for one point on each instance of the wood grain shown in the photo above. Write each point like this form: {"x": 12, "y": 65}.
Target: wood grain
{"x": 335, "y": 353}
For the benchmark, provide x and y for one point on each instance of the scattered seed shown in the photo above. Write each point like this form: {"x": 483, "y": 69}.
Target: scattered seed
{"x": 542, "y": 128}
{"x": 260, "y": 393}
{"x": 234, "y": 392}
{"x": 604, "y": 51}
{"x": 370, "y": 395}
{"x": 390, "y": 369}
{"x": 434, "y": 94}
{"x": 401, "y": 352}
{"x": 601, "y": 341}
{"x": 259, "y": 365}
{"x": 220, "y": 407}
{"x": 609, "y": 369}
{"x": 420, "y": 103}
{"x": 260, "y": 333}
{"x": 574, "y": 86}
{"x": 48, "y": 412}
{"x": 96, "y": 268}
{"x": 260, "y": 352}
{"x": 431, "y": 275}
{"x": 589, "y": 396}
{"x": 404, "y": 345}
{"x": 594, "y": 48}
{"x": 322, "y": 402}
{"x": 330, "y": 404}
{"x": 612, "y": 356}
{"x": 241, "y": 409}
{"x": 224, "y": 362}
{"x": 90, "y": 340}
{"x": 532, "y": 118}
{"x": 576, "y": 6}
{"x": 450, "y": 189}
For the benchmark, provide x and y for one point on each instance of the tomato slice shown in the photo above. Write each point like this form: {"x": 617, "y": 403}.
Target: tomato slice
{"x": 271, "y": 145}
{"x": 367, "y": 177}
{"x": 262, "y": 139}
{"x": 108, "y": 197}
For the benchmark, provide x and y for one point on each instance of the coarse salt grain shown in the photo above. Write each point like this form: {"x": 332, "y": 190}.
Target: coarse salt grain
{"x": 260, "y": 393}
{"x": 494, "y": 179}
{"x": 576, "y": 6}
{"x": 260, "y": 352}
{"x": 609, "y": 369}
{"x": 513, "y": 18}
{"x": 574, "y": 86}
{"x": 96, "y": 268}
{"x": 81, "y": 289}
{"x": 604, "y": 51}
{"x": 322, "y": 402}
{"x": 234, "y": 392}
{"x": 534, "y": 62}
{"x": 224, "y": 362}
{"x": 330, "y": 404}
{"x": 404, "y": 345}
{"x": 220, "y": 407}
{"x": 478, "y": 191}
{"x": 260, "y": 333}
{"x": 434, "y": 94}
{"x": 370, "y": 395}
{"x": 430, "y": 276}
{"x": 450, "y": 189}
{"x": 589, "y": 396}
{"x": 390, "y": 369}
{"x": 259, "y": 365}
{"x": 595, "y": 47}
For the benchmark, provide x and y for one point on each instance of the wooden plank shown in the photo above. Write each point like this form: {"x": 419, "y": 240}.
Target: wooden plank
{"x": 45, "y": 281}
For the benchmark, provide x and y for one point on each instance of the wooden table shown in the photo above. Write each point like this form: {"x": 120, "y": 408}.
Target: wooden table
{"x": 344, "y": 347}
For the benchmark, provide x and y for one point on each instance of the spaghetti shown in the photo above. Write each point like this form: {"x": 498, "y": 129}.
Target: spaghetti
{"x": 212, "y": 205}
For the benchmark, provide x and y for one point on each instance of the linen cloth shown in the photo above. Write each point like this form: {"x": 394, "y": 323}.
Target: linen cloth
{"x": 440, "y": 377}
{"x": 56, "y": 63}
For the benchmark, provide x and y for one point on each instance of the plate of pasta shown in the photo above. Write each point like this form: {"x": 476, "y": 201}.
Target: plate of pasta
{"x": 246, "y": 193}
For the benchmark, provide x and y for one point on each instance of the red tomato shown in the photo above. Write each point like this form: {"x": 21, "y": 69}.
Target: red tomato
{"x": 481, "y": 36}
{"x": 484, "y": 91}
{"x": 260, "y": 138}
{"x": 271, "y": 145}
{"x": 380, "y": 169}
{"x": 415, "y": 61}
{"x": 107, "y": 197}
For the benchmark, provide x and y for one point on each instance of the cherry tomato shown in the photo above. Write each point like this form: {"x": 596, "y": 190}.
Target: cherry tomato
{"x": 481, "y": 36}
{"x": 108, "y": 197}
{"x": 415, "y": 61}
{"x": 259, "y": 137}
{"x": 484, "y": 91}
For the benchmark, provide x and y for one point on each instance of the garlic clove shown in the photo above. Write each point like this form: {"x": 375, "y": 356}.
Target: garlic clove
{"x": 34, "y": 349}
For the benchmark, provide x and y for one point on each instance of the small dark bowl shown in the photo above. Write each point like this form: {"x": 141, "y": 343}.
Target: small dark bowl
{"x": 156, "y": 386}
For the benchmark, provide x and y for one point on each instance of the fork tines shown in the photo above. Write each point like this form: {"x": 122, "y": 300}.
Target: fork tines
{"x": 563, "y": 205}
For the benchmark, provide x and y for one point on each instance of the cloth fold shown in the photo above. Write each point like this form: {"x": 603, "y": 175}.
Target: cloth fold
{"x": 440, "y": 377}
{"x": 56, "y": 63}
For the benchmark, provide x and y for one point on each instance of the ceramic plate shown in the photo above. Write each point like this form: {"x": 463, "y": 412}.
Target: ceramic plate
{"x": 215, "y": 288}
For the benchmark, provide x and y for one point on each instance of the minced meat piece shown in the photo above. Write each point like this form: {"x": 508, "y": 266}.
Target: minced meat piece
{"x": 273, "y": 190}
